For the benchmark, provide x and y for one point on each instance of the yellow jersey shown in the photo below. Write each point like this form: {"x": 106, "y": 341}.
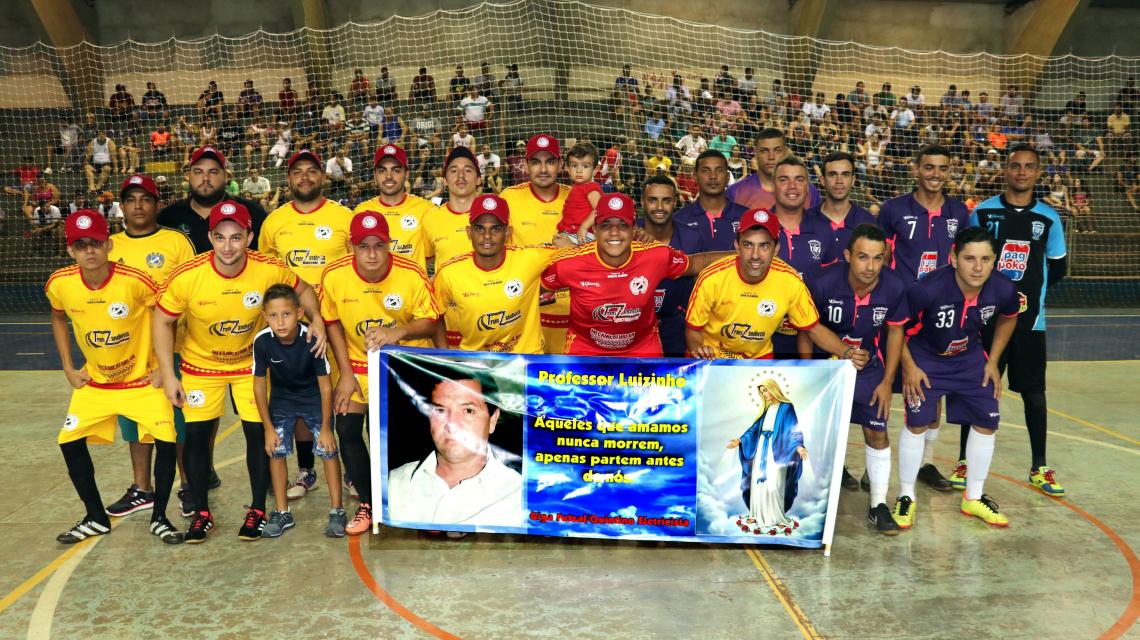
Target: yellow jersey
{"x": 223, "y": 314}
{"x": 112, "y": 322}
{"x": 446, "y": 234}
{"x": 156, "y": 253}
{"x": 494, "y": 310}
{"x": 307, "y": 242}
{"x": 401, "y": 296}
{"x": 405, "y": 223}
{"x": 534, "y": 221}
{"x": 738, "y": 319}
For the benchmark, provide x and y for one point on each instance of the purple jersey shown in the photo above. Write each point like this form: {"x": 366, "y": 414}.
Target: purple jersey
{"x": 920, "y": 240}
{"x": 806, "y": 249}
{"x": 671, "y": 297}
{"x": 856, "y": 216}
{"x": 860, "y": 322}
{"x": 946, "y": 328}
{"x": 751, "y": 194}
{"x": 717, "y": 234}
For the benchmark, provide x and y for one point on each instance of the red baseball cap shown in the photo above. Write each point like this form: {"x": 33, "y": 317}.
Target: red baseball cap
{"x": 617, "y": 205}
{"x": 228, "y": 210}
{"x": 139, "y": 181}
{"x": 86, "y": 223}
{"x": 304, "y": 154}
{"x": 391, "y": 151}
{"x": 543, "y": 142}
{"x": 490, "y": 204}
{"x": 761, "y": 218}
{"x": 368, "y": 223}
{"x": 207, "y": 152}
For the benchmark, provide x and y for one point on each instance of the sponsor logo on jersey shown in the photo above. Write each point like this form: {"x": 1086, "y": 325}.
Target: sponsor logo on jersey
{"x": 103, "y": 338}
{"x": 617, "y": 274}
{"x": 513, "y": 288}
{"x": 639, "y": 285}
{"x": 155, "y": 260}
{"x": 393, "y": 302}
{"x": 195, "y": 397}
{"x": 986, "y": 313}
{"x": 611, "y": 340}
{"x": 615, "y": 312}
{"x": 658, "y": 299}
{"x": 1037, "y": 228}
{"x": 952, "y": 227}
{"x": 231, "y": 328}
{"x": 497, "y": 319}
{"x": 363, "y": 326}
{"x": 1013, "y": 259}
{"x": 304, "y": 258}
{"x": 407, "y": 223}
{"x": 589, "y": 283}
{"x": 927, "y": 262}
{"x": 742, "y": 331}
{"x": 323, "y": 232}
{"x": 878, "y": 315}
{"x": 402, "y": 248}
{"x": 251, "y": 299}
{"x": 816, "y": 248}
{"x": 956, "y": 347}
{"x": 766, "y": 308}
{"x": 118, "y": 310}
{"x": 735, "y": 226}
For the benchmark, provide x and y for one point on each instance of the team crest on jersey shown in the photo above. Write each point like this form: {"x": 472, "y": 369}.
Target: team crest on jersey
{"x": 639, "y": 285}
{"x": 118, "y": 310}
{"x": 1013, "y": 259}
{"x": 251, "y": 299}
{"x": 952, "y": 227}
{"x": 323, "y": 232}
{"x": 407, "y": 223}
{"x": 155, "y": 260}
{"x": 878, "y": 314}
{"x": 70, "y": 422}
{"x": 816, "y": 248}
{"x": 736, "y": 226}
{"x": 766, "y": 308}
{"x": 513, "y": 288}
{"x": 1037, "y": 229}
{"x": 986, "y": 313}
{"x": 393, "y": 302}
{"x": 195, "y": 397}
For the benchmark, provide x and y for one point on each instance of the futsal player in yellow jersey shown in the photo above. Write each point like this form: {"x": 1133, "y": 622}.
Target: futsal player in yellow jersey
{"x": 489, "y": 296}
{"x": 445, "y": 226}
{"x": 220, "y": 294}
{"x": 157, "y": 251}
{"x": 110, "y": 307}
{"x": 536, "y": 209}
{"x": 404, "y": 211}
{"x": 738, "y": 302}
{"x": 370, "y": 299}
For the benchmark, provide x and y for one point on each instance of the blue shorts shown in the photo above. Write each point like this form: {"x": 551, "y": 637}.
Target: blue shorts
{"x": 130, "y": 429}
{"x": 862, "y": 413}
{"x": 285, "y": 422}
{"x": 967, "y": 401}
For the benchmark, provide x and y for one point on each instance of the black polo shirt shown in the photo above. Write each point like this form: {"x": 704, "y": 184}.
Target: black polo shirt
{"x": 179, "y": 215}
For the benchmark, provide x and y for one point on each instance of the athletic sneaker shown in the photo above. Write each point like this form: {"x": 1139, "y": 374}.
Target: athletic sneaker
{"x": 279, "y": 522}
{"x": 84, "y": 529}
{"x": 879, "y": 516}
{"x": 865, "y": 483}
{"x": 200, "y": 526}
{"x": 929, "y": 475}
{"x": 215, "y": 481}
{"x": 361, "y": 522}
{"x": 133, "y": 500}
{"x": 958, "y": 477}
{"x": 849, "y": 482}
{"x": 904, "y": 512}
{"x": 306, "y": 481}
{"x": 186, "y": 503}
{"x": 166, "y": 531}
{"x": 1045, "y": 479}
{"x": 338, "y": 520}
{"x": 984, "y": 509}
{"x": 254, "y": 523}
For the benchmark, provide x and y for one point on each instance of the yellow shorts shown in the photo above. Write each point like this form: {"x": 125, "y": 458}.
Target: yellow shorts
{"x": 555, "y": 319}
{"x": 206, "y": 395}
{"x": 362, "y": 397}
{"x": 94, "y": 411}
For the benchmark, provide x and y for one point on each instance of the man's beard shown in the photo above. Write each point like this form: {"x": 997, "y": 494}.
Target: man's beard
{"x": 208, "y": 201}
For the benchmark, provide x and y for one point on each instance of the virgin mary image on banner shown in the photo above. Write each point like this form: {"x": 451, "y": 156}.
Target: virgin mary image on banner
{"x": 772, "y": 456}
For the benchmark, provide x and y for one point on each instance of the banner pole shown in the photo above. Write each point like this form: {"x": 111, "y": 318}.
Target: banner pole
{"x": 847, "y": 376}
{"x": 374, "y": 437}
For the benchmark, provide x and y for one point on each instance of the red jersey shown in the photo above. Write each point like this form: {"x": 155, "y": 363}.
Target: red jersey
{"x": 612, "y": 308}
{"x": 577, "y": 207}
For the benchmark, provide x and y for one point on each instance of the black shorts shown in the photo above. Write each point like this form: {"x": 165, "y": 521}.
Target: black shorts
{"x": 1025, "y": 358}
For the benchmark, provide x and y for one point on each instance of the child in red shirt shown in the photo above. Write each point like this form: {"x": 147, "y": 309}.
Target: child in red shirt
{"x": 580, "y": 209}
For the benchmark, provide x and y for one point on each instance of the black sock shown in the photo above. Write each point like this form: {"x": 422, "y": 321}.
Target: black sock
{"x": 350, "y": 431}
{"x": 1037, "y": 421}
{"x": 305, "y": 457}
{"x": 256, "y": 463}
{"x": 82, "y": 473}
{"x": 962, "y": 442}
{"x": 196, "y": 460}
{"x": 165, "y": 466}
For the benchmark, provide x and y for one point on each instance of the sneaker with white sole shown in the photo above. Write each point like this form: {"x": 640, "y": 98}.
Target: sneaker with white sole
{"x": 306, "y": 481}
{"x": 279, "y": 522}
{"x": 338, "y": 520}
{"x": 361, "y": 522}
{"x": 133, "y": 500}
{"x": 84, "y": 529}
{"x": 166, "y": 531}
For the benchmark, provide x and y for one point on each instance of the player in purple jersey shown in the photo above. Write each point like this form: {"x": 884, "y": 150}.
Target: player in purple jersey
{"x": 837, "y": 208}
{"x": 712, "y": 215}
{"x": 861, "y": 302}
{"x": 944, "y": 357}
{"x": 758, "y": 191}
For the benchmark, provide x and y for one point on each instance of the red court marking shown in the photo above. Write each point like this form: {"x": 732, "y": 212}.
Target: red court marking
{"x": 386, "y": 598}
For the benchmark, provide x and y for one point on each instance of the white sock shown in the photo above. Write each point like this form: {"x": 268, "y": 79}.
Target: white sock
{"x": 979, "y": 454}
{"x": 931, "y": 437}
{"x": 910, "y": 459}
{"x": 879, "y": 472}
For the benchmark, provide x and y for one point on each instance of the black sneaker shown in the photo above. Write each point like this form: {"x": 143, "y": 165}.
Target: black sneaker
{"x": 879, "y": 516}
{"x": 133, "y": 500}
{"x": 165, "y": 531}
{"x": 929, "y": 475}
{"x": 200, "y": 527}
{"x": 254, "y": 523}
{"x": 849, "y": 482}
{"x": 84, "y": 529}
{"x": 215, "y": 481}
{"x": 865, "y": 482}
{"x": 186, "y": 502}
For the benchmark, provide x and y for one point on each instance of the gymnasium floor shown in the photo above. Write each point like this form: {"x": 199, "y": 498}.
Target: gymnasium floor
{"x": 1063, "y": 569}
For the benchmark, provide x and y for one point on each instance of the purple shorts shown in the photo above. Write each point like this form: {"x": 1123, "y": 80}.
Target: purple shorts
{"x": 967, "y": 401}
{"x": 862, "y": 413}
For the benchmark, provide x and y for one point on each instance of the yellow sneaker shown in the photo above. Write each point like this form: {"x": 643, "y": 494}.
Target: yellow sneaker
{"x": 958, "y": 476}
{"x": 984, "y": 509}
{"x": 1045, "y": 479}
{"x": 903, "y": 512}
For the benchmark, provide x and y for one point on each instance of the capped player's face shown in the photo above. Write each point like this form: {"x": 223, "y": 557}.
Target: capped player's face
{"x": 581, "y": 170}
{"x": 461, "y": 422}
{"x": 712, "y": 176}
{"x": 207, "y": 178}
{"x": 89, "y": 254}
{"x": 371, "y": 255}
{"x": 488, "y": 236}
{"x": 838, "y": 177}
{"x": 932, "y": 172}
{"x": 615, "y": 239}
{"x": 230, "y": 240}
{"x": 390, "y": 176}
{"x": 755, "y": 249}
{"x": 865, "y": 258}
{"x": 282, "y": 316}
{"x": 140, "y": 209}
{"x": 974, "y": 263}
{"x": 306, "y": 180}
{"x": 1022, "y": 171}
{"x": 658, "y": 202}
{"x": 791, "y": 184}
{"x": 461, "y": 178}
{"x": 769, "y": 152}
{"x": 542, "y": 168}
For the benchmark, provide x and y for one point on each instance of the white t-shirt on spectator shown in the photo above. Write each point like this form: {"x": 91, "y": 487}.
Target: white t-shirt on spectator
{"x": 485, "y": 161}
{"x": 902, "y": 118}
{"x": 817, "y": 112}
{"x": 474, "y": 109}
{"x": 335, "y": 170}
{"x": 256, "y": 187}
{"x": 374, "y": 115}
{"x": 462, "y": 141}
{"x": 692, "y": 147}
{"x": 43, "y": 216}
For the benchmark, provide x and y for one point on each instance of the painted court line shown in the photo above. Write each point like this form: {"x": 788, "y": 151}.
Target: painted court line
{"x": 799, "y": 618}
{"x": 386, "y": 598}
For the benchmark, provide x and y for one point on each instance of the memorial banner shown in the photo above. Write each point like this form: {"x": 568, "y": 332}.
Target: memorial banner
{"x": 727, "y": 451}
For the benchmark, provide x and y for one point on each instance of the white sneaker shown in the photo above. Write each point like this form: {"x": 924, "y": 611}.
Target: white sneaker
{"x": 306, "y": 481}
